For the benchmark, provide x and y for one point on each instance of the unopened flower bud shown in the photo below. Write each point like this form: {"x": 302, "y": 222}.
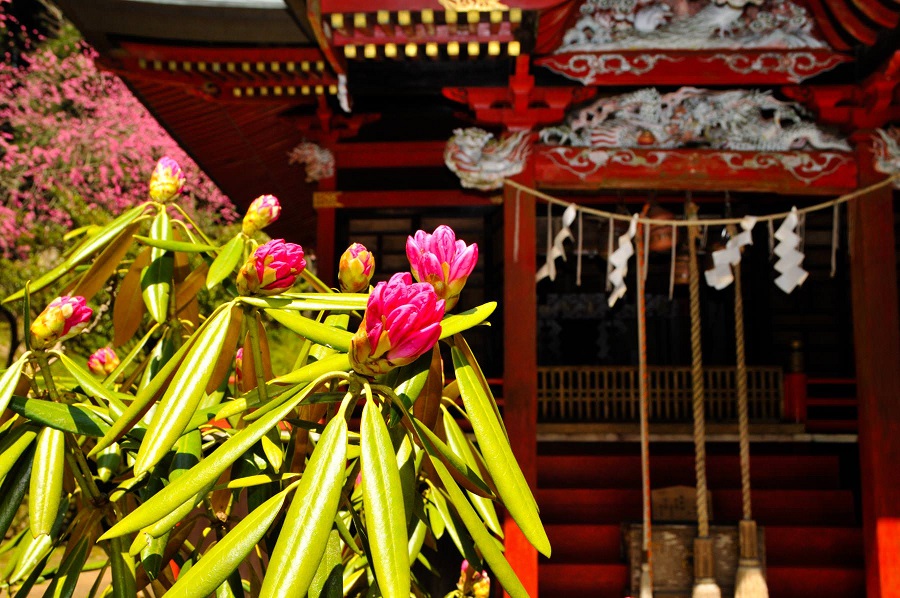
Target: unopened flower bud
{"x": 65, "y": 316}
{"x": 442, "y": 261}
{"x": 356, "y": 268}
{"x": 239, "y": 367}
{"x": 167, "y": 180}
{"x": 273, "y": 268}
{"x": 263, "y": 211}
{"x": 402, "y": 321}
{"x": 103, "y": 362}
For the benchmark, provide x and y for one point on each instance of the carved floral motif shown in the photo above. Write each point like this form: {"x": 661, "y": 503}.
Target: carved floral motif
{"x": 887, "y": 152}
{"x": 482, "y": 162}
{"x": 747, "y": 120}
{"x": 587, "y": 67}
{"x": 318, "y": 161}
{"x": 803, "y": 166}
{"x": 796, "y": 65}
{"x": 610, "y": 25}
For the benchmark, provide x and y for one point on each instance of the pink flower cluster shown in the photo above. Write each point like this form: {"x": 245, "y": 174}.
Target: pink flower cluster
{"x": 273, "y": 268}
{"x": 402, "y": 321}
{"x": 103, "y": 361}
{"x": 442, "y": 261}
{"x": 75, "y": 134}
{"x": 65, "y": 316}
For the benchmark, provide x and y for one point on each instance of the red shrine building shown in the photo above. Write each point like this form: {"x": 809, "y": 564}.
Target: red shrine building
{"x": 536, "y": 128}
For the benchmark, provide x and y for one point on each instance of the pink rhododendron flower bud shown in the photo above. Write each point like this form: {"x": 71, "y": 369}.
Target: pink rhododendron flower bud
{"x": 103, "y": 362}
{"x": 239, "y": 367}
{"x": 442, "y": 261}
{"x": 167, "y": 180}
{"x": 356, "y": 268}
{"x": 264, "y": 210}
{"x": 402, "y": 321}
{"x": 272, "y": 269}
{"x": 473, "y": 583}
{"x": 64, "y": 317}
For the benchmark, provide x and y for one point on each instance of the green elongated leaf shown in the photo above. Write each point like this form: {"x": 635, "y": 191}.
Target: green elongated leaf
{"x": 313, "y": 302}
{"x": 458, "y": 443}
{"x": 464, "y": 474}
{"x": 416, "y": 540}
{"x": 478, "y": 377}
{"x": 105, "y": 264}
{"x": 156, "y": 286}
{"x": 85, "y": 250}
{"x": 329, "y": 579}
{"x": 66, "y": 578}
{"x": 304, "y": 534}
{"x": 207, "y": 472}
{"x": 89, "y": 383}
{"x": 14, "y": 445}
{"x": 67, "y": 418}
{"x": 171, "y": 245}
{"x": 142, "y": 401}
{"x": 34, "y": 550}
{"x": 180, "y": 400}
{"x": 228, "y": 259}
{"x": 331, "y": 337}
{"x": 457, "y": 323}
{"x": 10, "y": 379}
{"x": 439, "y": 513}
{"x": 122, "y": 565}
{"x": 224, "y": 557}
{"x": 46, "y": 480}
{"x": 411, "y": 379}
{"x": 152, "y": 554}
{"x": 13, "y": 490}
{"x": 498, "y": 456}
{"x": 108, "y": 462}
{"x": 339, "y": 362}
{"x": 129, "y": 359}
{"x": 384, "y": 510}
{"x": 482, "y": 537}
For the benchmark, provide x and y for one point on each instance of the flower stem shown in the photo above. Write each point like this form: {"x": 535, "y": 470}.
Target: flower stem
{"x": 256, "y": 347}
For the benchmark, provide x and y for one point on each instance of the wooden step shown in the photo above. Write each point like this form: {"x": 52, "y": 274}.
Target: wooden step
{"x": 594, "y": 581}
{"x": 815, "y": 582}
{"x": 770, "y": 507}
{"x": 585, "y": 543}
{"x": 814, "y": 546}
{"x": 723, "y": 471}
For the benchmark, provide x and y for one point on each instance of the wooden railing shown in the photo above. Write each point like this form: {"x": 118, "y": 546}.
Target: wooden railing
{"x": 610, "y": 394}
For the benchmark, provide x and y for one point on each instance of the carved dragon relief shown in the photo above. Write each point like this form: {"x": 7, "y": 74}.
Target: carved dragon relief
{"x": 887, "y": 152}
{"x": 616, "y": 25}
{"x": 317, "y": 161}
{"x": 746, "y": 120}
{"x": 482, "y": 162}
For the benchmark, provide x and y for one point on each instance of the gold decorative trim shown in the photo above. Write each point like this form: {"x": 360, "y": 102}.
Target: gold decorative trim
{"x": 327, "y": 199}
{"x": 472, "y": 5}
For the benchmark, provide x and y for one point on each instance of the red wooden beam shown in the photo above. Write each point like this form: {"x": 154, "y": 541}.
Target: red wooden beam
{"x": 790, "y": 173}
{"x": 695, "y": 67}
{"x": 402, "y": 199}
{"x": 876, "y": 334}
{"x": 366, "y": 6}
{"x": 399, "y": 154}
{"x": 281, "y": 54}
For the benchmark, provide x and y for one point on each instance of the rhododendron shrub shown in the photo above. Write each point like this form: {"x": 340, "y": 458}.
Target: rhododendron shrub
{"x": 74, "y": 147}
{"x": 198, "y": 468}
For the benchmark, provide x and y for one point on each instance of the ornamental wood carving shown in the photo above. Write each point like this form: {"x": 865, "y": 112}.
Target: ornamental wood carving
{"x": 318, "y": 161}
{"x": 482, "y": 162}
{"x": 746, "y": 120}
{"x": 887, "y": 152}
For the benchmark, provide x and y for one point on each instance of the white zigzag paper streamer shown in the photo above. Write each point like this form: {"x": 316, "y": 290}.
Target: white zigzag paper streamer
{"x": 619, "y": 260}
{"x": 789, "y": 264}
{"x": 557, "y": 248}
{"x": 721, "y": 275}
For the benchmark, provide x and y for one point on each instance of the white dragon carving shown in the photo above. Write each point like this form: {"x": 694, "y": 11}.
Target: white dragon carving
{"x": 887, "y": 153}
{"x": 482, "y": 162}
{"x": 318, "y": 161}
{"x": 691, "y": 117}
